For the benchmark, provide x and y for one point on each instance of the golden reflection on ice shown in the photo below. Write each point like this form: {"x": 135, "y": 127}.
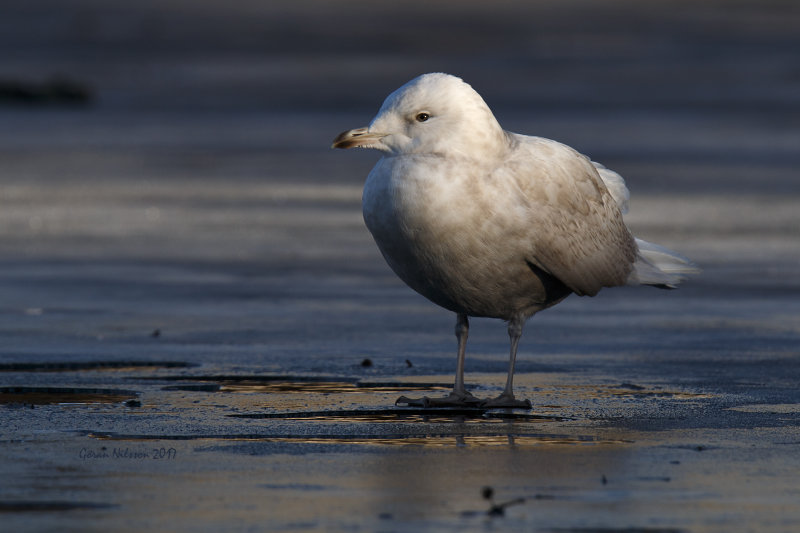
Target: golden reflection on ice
{"x": 333, "y": 387}
{"x": 287, "y": 386}
{"x": 455, "y": 441}
{"x": 270, "y": 385}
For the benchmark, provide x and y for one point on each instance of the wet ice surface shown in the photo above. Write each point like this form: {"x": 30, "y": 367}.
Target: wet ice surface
{"x": 187, "y": 298}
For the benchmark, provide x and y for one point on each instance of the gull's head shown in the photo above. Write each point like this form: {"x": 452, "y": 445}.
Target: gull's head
{"x": 432, "y": 114}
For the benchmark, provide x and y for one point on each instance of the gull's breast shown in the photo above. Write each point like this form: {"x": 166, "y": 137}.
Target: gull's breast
{"x": 453, "y": 236}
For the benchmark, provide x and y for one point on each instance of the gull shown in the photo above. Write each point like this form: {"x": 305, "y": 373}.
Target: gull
{"x": 489, "y": 223}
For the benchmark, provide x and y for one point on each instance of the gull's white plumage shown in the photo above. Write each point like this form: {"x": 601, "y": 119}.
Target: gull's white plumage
{"x": 490, "y": 223}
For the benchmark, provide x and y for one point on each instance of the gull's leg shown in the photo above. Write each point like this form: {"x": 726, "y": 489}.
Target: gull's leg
{"x": 459, "y": 397}
{"x": 462, "y": 332}
{"x": 506, "y": 399}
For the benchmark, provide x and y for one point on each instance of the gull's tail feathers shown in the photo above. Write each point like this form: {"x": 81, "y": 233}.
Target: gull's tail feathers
{"x": 660, "y": 267}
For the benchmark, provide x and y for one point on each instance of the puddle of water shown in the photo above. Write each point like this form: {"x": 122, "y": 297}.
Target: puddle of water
{"x": 62, "y": 396}
{"x": 332, "y": 387}
{"x": 627, "y": 389}
{"x": 446, "y": 441}
{"x": 293, "y": 384}
{"x": 246, "y": 387}
{"x": 400, "y": 386}
{"x": 442, "y": 415}
{"x": 437, "y": 440}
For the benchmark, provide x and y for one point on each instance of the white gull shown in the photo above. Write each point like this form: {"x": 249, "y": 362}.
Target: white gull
{"x": 489, "y": 223}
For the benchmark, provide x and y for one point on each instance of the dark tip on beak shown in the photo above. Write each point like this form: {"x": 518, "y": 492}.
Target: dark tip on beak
{"x": 349, "y": 138}
{"x": 359, "y": 137}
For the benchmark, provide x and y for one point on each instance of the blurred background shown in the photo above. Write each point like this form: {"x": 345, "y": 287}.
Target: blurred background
{"x": 676, "y": 95}
{"x": 244, "y": 55}
{"x": 159, "y": 151}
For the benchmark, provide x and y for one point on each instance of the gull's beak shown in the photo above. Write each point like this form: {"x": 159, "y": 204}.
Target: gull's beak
{"x": 359, "y": 137}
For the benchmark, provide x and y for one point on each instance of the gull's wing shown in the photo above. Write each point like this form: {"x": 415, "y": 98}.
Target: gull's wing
{"x": 615, "y": 185}
{"x": 572, "y": 221}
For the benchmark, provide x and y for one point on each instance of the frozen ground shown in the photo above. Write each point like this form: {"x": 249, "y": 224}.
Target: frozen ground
{"x": 187, "y": 291}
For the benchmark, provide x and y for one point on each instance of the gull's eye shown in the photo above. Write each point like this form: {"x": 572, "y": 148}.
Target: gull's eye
{"x": 422, "y": 117}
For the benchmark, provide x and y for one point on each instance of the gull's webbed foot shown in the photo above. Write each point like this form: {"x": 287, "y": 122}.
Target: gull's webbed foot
{"x": 452, "y": 400}
{"x": 506, "y": 400}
